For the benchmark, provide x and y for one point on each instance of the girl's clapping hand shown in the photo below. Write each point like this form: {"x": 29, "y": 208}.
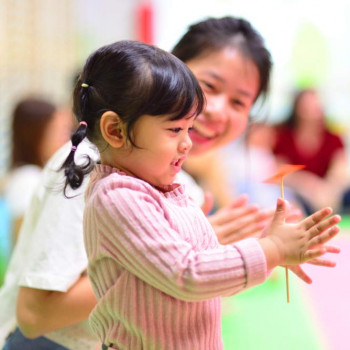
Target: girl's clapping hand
{"x": 295, "y": 243}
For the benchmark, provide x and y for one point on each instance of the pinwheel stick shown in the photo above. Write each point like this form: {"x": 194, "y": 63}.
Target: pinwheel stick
{"x": 283, "y": 171}
{"x": 282, "y": 189}
{"x": 286, "y": 267}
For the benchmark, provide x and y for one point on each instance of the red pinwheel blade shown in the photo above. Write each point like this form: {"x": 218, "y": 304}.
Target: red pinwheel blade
{"x": 283, "y": 170}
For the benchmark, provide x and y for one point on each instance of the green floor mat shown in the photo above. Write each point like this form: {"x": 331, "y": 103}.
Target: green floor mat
{"x": 345, "y": 222}
{"x": 260, "y": 318}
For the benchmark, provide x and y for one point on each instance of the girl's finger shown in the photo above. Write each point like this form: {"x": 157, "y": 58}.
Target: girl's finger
{"x": 315, "y": 218}
{"x": 324, "y": 225}
{"x": 322, "y": 262}
{"x": 298, "y": 271}
{"x": 313, "y": 253}
{"x": 324, "y": 237}
{"x": 332, "y": 249}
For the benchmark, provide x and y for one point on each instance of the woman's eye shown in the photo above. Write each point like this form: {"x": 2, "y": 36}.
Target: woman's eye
{"x": 238, "y": 103}
{"x": 207, "y": 85}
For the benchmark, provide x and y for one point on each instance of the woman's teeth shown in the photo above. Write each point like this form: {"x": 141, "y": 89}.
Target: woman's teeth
{"x": 205, "y": 132}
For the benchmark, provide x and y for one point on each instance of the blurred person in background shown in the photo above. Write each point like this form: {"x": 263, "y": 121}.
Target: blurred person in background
{"x": 304, "y": 138}
{"x": 230, "y": 60}
{"x": 38, "y": 130}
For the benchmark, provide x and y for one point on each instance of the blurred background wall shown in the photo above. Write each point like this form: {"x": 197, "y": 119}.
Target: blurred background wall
{"x": 44, "y": 42}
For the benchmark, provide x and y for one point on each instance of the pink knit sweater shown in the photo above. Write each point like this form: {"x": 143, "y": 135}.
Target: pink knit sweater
{"x": 156, "y": 266}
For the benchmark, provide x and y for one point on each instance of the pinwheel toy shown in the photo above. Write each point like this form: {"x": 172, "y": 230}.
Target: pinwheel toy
{"x": 284, "y": 170}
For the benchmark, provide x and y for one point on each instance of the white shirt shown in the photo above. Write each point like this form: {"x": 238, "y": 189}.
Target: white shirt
{"x": 19, "y": 188}
{"x": 192, "y": 188}
{"x": 50, "y": 253}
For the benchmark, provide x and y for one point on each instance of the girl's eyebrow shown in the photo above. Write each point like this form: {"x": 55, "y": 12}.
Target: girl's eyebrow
{"x": 223, "y": 81}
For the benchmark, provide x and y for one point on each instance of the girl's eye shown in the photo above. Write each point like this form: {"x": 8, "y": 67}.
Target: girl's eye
{"x": 190, "y": 129}
{"x": 175, "y": 130}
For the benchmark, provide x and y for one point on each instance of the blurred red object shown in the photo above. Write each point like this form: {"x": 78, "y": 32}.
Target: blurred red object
{"x": 144, "y": 22}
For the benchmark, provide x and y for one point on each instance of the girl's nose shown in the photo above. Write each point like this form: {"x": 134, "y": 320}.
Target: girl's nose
{"x": 185, "y": 144}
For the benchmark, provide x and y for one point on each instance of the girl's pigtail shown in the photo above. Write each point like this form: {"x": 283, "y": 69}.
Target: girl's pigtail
{"x": 74, "y": 173}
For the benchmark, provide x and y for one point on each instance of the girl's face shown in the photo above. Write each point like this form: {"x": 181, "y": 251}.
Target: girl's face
{"x": 162, "y": 148}
{"x": 230, "y": 83}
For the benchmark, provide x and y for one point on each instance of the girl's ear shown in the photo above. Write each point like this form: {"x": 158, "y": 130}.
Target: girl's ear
{"x": 112, "y": 129}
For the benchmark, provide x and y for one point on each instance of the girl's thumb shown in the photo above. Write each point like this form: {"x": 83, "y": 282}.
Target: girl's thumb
{"x": 280, "y": 213}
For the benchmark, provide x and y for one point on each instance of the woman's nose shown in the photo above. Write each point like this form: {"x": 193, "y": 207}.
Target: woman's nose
{"x": 217, "y": 108}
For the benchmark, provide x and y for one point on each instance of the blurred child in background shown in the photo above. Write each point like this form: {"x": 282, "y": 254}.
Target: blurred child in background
{"x": 38, "y": 130}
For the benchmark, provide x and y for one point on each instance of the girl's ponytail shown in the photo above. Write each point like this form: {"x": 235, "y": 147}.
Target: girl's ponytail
{"x": 73, "y": 172}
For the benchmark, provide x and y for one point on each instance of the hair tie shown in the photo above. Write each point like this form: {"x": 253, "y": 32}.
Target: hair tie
{"x": 84, "y": 85}
{"x": 83, "y": 123}
{"x": 73, "y": 148}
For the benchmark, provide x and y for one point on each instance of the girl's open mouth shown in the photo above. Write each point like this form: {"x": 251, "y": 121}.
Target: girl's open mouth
{"x": 178, "y": 163}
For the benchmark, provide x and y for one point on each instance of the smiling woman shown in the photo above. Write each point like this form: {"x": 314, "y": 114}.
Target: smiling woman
{"x": 232, "y": 64}
{"x": 231, "y": 84}
{"x": 230, "y": 60}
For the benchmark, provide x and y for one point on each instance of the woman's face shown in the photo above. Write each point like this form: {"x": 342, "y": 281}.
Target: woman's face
{"x": 230, "y": 83}
{"x": 309, "y": 108}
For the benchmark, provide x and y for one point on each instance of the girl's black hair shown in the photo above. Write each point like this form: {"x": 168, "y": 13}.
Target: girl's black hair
{"x": 131, "y": 79}
{"x": 214, "y": 34}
